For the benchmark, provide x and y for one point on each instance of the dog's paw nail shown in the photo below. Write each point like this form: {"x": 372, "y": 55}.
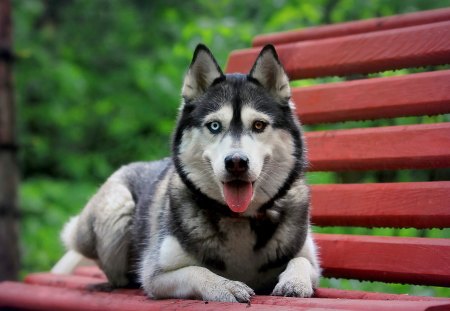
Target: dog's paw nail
{"x": 294, "y": 288}
{"x": 230, "y": 291}
{"x": 241, "y": 291}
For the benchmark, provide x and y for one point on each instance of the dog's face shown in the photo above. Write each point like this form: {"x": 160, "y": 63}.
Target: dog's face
{"x": 237, "y": 140}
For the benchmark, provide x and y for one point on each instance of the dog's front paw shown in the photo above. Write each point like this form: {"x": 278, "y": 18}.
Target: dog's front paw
{"x": 227, "y": 291}
{"x": 294, "y": 287}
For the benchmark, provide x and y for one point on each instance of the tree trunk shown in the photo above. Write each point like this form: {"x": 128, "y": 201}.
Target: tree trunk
{"x": 9, "y": 173}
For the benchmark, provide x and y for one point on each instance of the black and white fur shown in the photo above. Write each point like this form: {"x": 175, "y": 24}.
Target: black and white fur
{"x": 166, "y": 225}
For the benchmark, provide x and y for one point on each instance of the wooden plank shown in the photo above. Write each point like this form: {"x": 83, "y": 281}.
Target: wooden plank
{"x": 411, "y": 95}
{"x": 62, "y": 280}
{"x": 423, "y": 261}
{"x": 90, "y": 271}
{"x": 350, "y": 304}
{"x": 363, "y": 53}
{"x": 77, "y": 282}
{"x": 95, "y": 272}
{"x": 354, "y": 27}
{"x": 417, "y": 205}
{"x": 393, "y": 147}
{"x": 334, "y": 293}
{"x": 32, "y": 297}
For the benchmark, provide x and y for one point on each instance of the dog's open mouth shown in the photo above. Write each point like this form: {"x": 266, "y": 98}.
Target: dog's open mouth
{"x": 238, "y": 194}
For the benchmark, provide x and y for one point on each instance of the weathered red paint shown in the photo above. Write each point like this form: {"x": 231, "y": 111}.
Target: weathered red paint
{"x": 388, "y": 259}
{"x": 410, "y": 95}
{"x": 90, "y": 271}
{"x": 393, "y": 147}
{"x": 334, "y": 293}
{"x": 349, "y": 304}
{"x": 50, "y": 279}
{"x": 363, "y": 53}
{"x": 38, "y": 297}
{"x": 75, "y": 282}
{"x": 409, "y": 204}
{"x": 354, "y": 27}
{"x": 61, "y": 280}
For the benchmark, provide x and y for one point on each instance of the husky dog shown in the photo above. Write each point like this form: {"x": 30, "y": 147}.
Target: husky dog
{"x": 228, "y": 214}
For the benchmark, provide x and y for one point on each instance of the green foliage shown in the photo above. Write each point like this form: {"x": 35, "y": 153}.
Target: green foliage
{"x": 98, "y": 85}
{"x": 46, "y": 205}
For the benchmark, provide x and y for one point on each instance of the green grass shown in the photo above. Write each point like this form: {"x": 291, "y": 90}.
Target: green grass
{"x": 392, "y": 288}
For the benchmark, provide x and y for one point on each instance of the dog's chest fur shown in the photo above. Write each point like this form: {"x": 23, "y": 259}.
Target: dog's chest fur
{"x": 227, "y": 248}
{"x": 241, "y": 260}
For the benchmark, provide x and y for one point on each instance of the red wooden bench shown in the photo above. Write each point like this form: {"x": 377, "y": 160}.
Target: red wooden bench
{"x": 361, "y": 47}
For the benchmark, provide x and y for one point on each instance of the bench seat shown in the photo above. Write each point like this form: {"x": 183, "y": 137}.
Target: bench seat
{"x": 47, "y": 291}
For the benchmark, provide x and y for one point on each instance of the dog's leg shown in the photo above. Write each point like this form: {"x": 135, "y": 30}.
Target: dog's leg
{"x": 175, "y": 274}
{"x": 302, "y": 273}
{"x": 199, "y": 283}
{"x": 112, "y": 229}
{"x": 102, "y": 230}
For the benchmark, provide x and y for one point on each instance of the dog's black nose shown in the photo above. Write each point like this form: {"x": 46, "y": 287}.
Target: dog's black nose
{"x": 236, "y": 163}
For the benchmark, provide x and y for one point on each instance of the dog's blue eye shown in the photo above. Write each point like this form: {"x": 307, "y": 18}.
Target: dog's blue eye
{"x": 214, "y": 127}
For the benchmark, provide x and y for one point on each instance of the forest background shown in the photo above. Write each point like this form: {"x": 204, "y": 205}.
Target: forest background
{"x": 97, "y": 85}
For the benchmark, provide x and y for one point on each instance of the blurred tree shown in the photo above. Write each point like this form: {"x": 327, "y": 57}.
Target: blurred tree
{"x": 98, "y": 81}
{"x": 9, "y": 250}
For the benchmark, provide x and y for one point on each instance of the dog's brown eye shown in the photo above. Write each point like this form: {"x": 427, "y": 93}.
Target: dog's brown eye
{"x": 259, "y": 126}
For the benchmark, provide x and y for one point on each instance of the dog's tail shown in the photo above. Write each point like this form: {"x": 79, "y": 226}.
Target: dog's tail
{"x": 68, "y": 263}
{"x": 72, "y": 259}
{"x": 68, "y": 234}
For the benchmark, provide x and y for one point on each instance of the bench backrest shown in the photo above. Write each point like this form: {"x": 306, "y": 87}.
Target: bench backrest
{"x": 353, "y": 50}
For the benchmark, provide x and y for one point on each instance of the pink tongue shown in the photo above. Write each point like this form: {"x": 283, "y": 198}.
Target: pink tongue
{"x": 238, "y": 195}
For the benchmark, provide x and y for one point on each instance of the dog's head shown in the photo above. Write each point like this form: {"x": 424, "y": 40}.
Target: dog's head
{"x": 238, "y": 140}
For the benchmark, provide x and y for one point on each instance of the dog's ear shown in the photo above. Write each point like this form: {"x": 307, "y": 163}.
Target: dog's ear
{"x": 269, "y": 72}
{"x": 202, "y": 73}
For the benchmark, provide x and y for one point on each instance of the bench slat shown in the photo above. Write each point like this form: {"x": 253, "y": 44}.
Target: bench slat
{"x": 419, "y": 205}
{"x": 348, "y": 304}
{"x": 424, "y": 261}
{"x": 76, "y": 282}
{"x": 363, "y": 53}
{"x": 90, "y": 272}
{"x": 411, "y": 95}
{"x": 354, "y": 27}
{"x": 333, "y": 293}
{"x": 393, "y": 147}
{"x": 62, "y": 280}
{"x": 33, "y": 297}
